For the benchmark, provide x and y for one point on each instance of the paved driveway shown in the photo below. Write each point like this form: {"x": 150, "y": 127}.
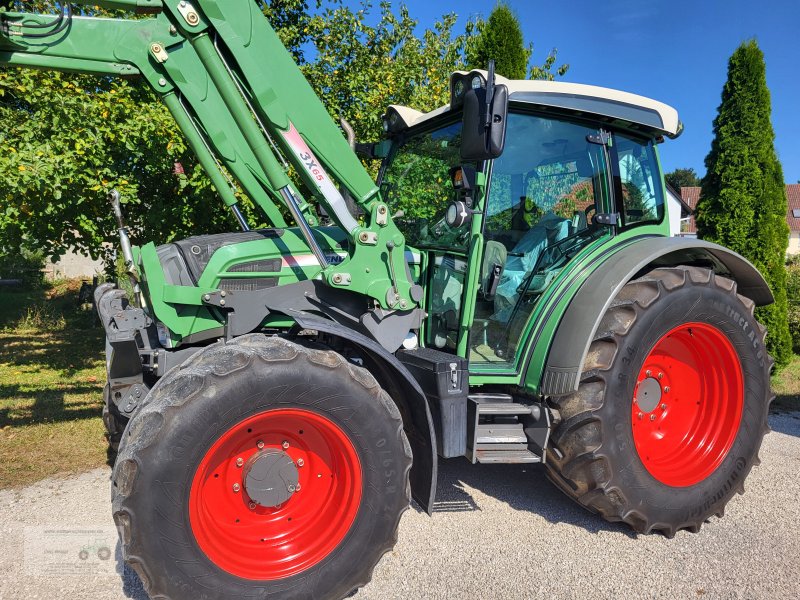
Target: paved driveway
{"x": 498, "y": 532}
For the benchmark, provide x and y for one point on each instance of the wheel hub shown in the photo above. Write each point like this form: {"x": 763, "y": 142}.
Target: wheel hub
{"x": 648, "y": 394}
{"x": 270, "y": 478}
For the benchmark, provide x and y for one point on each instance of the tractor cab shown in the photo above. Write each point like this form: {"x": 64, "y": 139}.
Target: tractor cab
{"x": 496, "y": 233}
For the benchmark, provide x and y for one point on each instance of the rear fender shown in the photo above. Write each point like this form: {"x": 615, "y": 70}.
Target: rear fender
{"x": 407, "y": 394}
{"x": 580, "y": 321}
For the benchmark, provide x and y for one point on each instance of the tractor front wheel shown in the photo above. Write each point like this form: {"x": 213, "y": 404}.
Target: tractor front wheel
{"x": 672, "y": 404}
{"x": 261, "y": 468}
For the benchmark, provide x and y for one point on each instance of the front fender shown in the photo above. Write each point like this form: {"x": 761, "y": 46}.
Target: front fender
{"x": 580, "y": 321}
{"x": 406, "y": 393}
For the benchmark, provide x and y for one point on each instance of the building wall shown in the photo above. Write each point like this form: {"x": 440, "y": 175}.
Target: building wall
{"x": 674, "y": 209}
{"x": 73, "y": 265}
{"x": 794, "y": 243}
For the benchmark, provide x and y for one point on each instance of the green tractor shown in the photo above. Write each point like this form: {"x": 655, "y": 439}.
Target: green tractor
{"x": 506, "y": 292}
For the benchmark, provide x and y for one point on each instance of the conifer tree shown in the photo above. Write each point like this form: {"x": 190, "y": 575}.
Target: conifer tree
{"x": 500, "y": 38}
{"x": 743, "y": 198}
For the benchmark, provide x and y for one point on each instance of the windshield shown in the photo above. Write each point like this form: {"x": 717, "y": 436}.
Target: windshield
{"x": 416, "y": 183}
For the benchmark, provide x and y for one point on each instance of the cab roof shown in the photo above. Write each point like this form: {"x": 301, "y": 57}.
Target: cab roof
{"x": 616, "y": 106}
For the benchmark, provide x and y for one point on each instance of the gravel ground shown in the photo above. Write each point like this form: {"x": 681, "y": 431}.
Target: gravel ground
{"x": 497, "y": 532}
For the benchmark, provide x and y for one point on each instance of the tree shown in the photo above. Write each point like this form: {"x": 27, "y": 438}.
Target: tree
{"x": 290, "y": 20}
{"x": 681, "y": 178}
{"x": 361, "y": 68}
{"x": 70, "y": 138}
{"x": 500, "y": 38}
{"x": 743, "y": 198}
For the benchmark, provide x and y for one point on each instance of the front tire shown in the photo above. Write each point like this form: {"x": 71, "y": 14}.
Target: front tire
{"x": 261, "y": 468}
{"x": 672, "y": 404}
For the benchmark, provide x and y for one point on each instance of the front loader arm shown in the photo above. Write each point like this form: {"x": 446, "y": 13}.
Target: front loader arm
{"x": 238, "y": 97}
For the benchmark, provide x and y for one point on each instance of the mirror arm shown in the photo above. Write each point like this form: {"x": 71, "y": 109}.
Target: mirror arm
{"x": 489, "y": 95}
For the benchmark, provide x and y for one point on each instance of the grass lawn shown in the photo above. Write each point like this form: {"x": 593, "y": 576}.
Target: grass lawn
{"x": 51, "y": 381}
{"x": 786, "y": 386}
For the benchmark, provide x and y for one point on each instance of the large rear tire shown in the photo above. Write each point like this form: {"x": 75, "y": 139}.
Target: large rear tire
{"x": 672, "y": 404}
{"x": 261, "y": 468}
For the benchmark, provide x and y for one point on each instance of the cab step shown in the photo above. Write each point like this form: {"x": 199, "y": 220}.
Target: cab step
{"x": 496, "y": 428}
{"x": 506, "y": 457}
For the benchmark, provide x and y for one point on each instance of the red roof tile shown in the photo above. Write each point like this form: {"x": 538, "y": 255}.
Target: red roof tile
{"x": 691, "y": 195}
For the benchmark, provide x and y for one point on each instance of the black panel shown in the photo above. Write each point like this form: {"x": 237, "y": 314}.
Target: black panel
{"x": 265, "y": 265}
{"x": 247, "y": 285}
{"x": 445, "y": 380}
{"x": 197, "y": 251}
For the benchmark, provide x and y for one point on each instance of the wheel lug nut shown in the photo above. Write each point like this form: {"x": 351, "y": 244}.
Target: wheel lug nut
{"x": 285, "y": 445}
{"x": 252, "y": 506}
{"x": 663, "y": 407}
{"x": 666, "y": 390}
{"x": 259, "y": 444}
{"x": 652, "y": 417}
{"x": 239, "y": 462}
{"x": 297, "y": 488}
{"x": 236, "y": 487}
{"x": 640, "y": 415}
{"x": 648, "y": 372}
{"x": 661, "y": 376}
{"x": 300, "y": 462}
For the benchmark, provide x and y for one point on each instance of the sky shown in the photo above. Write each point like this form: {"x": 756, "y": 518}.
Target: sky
{"x": 674, "y": 51}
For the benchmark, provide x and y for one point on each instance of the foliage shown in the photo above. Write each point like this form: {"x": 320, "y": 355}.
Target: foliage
{"x": 793, "y": 296}
{"x": 70, "y": 138}
{"x": 290, "y": 20}
{"x": 23, "y": 264}
{"x": 743, "y": 198}
{"x": 681, "y": 178}
{"x": 361, "y": 68}
{"x": 500, "y": 38}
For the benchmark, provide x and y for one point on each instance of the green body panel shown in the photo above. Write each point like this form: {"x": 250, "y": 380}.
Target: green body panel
{"x": 181, "y": 308}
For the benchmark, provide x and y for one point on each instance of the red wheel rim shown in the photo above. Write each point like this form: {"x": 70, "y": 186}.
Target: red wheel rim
{"x": 272, "y": 542}
{"x": 687, "y": 404}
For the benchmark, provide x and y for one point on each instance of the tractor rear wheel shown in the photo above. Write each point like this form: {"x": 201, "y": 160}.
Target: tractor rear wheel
{"x": 261, "y": 468}
{"x": 672, "y": 404}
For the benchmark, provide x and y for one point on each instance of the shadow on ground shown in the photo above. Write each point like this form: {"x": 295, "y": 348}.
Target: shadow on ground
{"x": 785, "y": 421}
{"x": 523, "y": 487}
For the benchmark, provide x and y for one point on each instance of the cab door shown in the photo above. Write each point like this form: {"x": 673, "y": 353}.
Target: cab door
{"x": 551, "y": 179}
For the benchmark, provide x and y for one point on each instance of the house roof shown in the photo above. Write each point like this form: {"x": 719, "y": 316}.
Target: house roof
{"x": 691, "y": 195}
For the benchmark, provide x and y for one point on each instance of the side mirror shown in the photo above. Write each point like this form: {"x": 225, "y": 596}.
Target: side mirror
{"x": 484, "y": 135}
